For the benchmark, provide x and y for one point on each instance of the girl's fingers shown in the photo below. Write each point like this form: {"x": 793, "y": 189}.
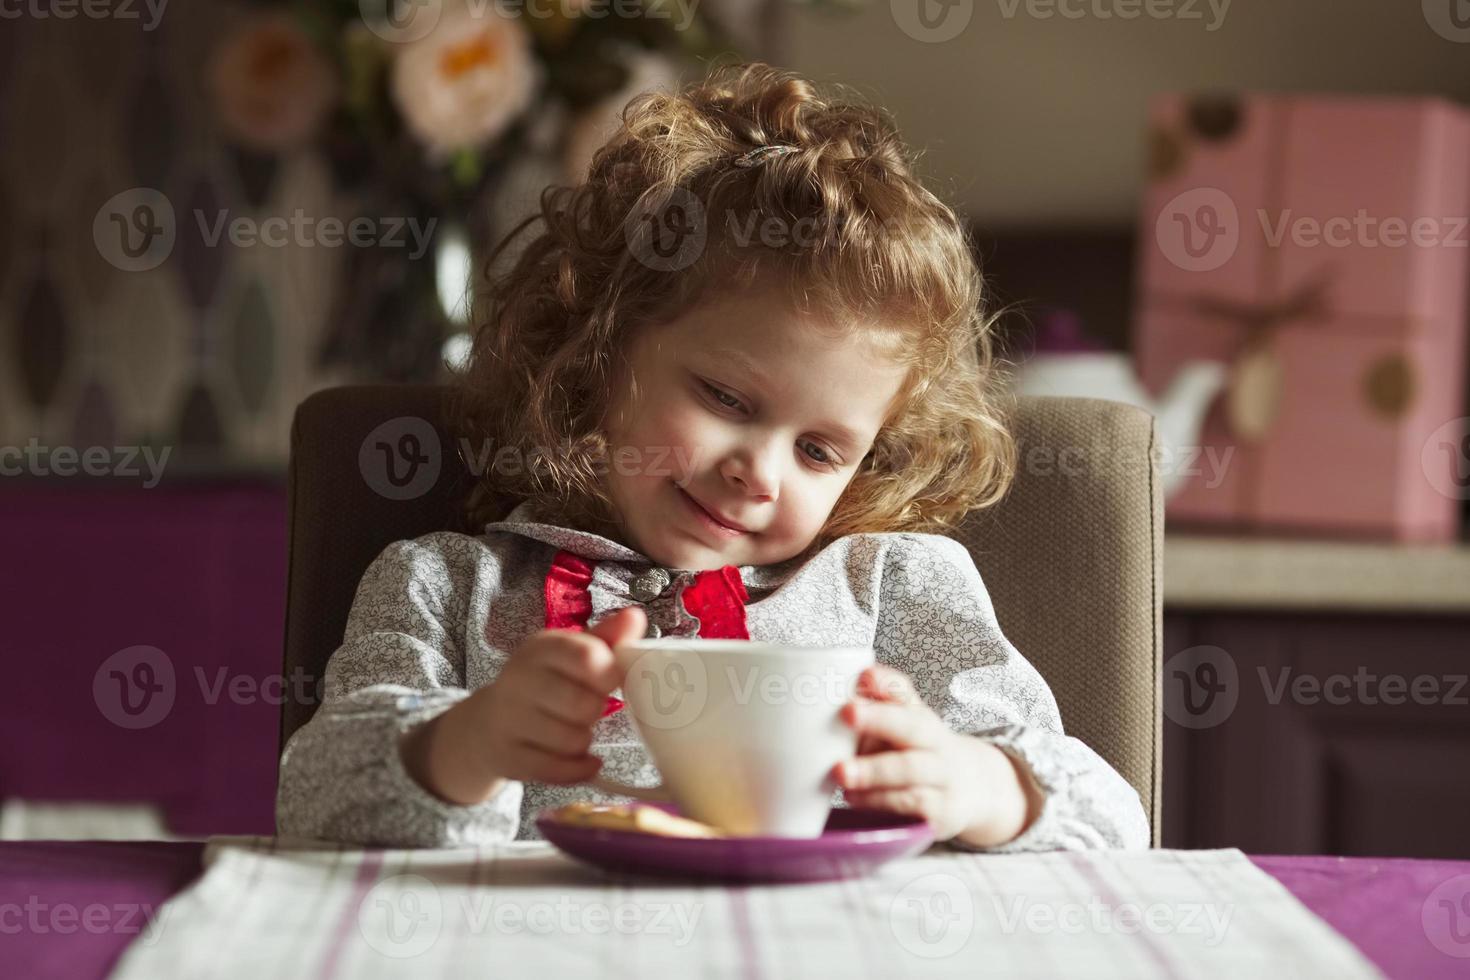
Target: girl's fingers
{"x": 571, "y": 703}
{"x": 528, "y": 762}
{"x": 916, "y": 801}
{"x": 557, "y": 770}
{"x": 883, "y": 683}
{"x": 585, "y": 661}
{"x": 891, "y": 770}
{"x": 904, "y": 726}
{"x": 556, "y": 737}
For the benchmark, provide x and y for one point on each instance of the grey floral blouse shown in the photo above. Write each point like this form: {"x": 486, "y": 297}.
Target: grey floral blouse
{"x": 436, "y": 617}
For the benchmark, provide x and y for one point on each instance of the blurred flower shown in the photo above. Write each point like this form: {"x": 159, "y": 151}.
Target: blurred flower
{"x": 271, "y": 86}
{"x": 590, "y": 129}
{"x": 463, "y": 83}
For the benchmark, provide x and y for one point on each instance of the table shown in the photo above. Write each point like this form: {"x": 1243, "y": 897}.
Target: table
{"x": 69, "y": 908}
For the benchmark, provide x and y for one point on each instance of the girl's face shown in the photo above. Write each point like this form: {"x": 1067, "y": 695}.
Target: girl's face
{"x": 748, "y": 413}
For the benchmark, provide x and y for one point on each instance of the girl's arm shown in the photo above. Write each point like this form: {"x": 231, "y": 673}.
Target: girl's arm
{"x": 401, "y": 664}
{"x": 936, "y": 625}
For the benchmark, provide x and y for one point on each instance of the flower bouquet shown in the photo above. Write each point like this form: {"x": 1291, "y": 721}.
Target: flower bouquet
{"x": 448, "y": 116}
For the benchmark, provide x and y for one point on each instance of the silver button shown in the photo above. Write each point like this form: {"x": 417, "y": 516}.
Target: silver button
{"x": 650, "y": 585}
{"x": 653, "y": 631}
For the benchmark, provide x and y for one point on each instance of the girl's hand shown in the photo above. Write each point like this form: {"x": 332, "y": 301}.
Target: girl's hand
{"x": 909, "y": 761}
{"x": 533, "y": 722}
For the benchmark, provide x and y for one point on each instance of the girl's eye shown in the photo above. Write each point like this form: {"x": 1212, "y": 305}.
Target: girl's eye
{"x": 825, "y": 461}
{"x": 722, "y": 395}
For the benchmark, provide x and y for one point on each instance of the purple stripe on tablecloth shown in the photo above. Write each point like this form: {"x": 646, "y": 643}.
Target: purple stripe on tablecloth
{"x": 1087, "y": 871}
{"x": 367, "y": 874}
{"x": 1377, "y": 904}
{"x": 750, "y": 965}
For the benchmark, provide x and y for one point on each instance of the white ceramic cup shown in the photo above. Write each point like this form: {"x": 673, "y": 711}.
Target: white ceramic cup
{"x": 745, "y": 734}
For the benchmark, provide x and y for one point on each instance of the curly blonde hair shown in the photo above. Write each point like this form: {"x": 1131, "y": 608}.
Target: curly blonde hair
{"x": 884, "y": 257}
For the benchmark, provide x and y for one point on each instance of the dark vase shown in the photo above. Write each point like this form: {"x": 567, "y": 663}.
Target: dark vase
{"x": 386, "y": 323}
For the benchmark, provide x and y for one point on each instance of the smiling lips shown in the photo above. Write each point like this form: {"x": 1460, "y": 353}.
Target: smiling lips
{"x": 711, "y": 520}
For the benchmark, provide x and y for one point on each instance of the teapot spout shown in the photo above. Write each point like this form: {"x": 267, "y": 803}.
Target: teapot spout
{"x": 1188, "y": 397}
{"x": 1181, "y": 413}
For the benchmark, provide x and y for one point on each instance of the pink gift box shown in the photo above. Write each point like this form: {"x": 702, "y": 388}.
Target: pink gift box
{"x": 1319, "y": 246}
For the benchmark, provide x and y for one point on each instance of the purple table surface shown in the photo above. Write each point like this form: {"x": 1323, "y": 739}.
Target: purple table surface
{"x": 68, "y": 909}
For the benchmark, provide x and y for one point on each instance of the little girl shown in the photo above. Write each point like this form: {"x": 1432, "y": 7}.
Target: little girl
{"x": 752, "y": 343}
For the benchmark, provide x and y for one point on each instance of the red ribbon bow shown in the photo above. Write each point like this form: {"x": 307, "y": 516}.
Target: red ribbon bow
{"x": 716, "y": 597}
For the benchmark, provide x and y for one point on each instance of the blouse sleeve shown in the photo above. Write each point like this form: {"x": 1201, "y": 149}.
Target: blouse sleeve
{"x": 936, "y": 624}
{"x": 401, "y": 663}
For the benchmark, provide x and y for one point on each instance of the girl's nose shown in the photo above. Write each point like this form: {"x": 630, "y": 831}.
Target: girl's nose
{"x": 753, "y": 474}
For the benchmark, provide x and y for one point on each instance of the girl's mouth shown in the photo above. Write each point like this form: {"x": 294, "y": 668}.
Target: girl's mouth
{"x": 705, "y": 518}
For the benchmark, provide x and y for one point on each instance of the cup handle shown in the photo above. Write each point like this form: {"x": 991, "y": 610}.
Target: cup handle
{"x": 649, "y": 794}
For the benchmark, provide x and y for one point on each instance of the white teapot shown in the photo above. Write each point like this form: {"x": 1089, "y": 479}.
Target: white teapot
{"x": 1069, "y": 364}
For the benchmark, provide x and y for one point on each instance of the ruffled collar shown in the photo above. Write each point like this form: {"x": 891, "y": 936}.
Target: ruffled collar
{"x": 594, "y": 546}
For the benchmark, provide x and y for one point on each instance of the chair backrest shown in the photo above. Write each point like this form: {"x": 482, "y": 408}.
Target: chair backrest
{"x": 1072, "y": 557}
{"x": 1073, "y": 561}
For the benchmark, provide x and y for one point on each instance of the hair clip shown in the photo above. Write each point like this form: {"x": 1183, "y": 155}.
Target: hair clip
{"x": 757, "y": 156}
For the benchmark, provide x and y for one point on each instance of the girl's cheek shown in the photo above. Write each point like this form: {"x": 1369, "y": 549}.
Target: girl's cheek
{"x": 688, "y": 432}
{"x": 676, "y": 445}
{"x": 810, "y": 506}
{"x": 653, "y": 426}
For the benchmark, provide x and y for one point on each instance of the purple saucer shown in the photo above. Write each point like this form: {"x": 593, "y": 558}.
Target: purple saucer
{"x": 853, "y": 843}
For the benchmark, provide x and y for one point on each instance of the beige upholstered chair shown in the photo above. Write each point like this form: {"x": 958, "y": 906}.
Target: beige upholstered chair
{"x": 1072, "y": 557}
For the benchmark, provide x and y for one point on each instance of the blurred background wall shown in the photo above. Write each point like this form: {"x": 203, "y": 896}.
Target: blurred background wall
{"x": 1040, "y": 120}
{"x": 1030, "y": 120}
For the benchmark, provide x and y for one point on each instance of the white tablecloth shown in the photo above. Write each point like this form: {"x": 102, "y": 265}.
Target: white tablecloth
{"x": 278, "y": 907}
